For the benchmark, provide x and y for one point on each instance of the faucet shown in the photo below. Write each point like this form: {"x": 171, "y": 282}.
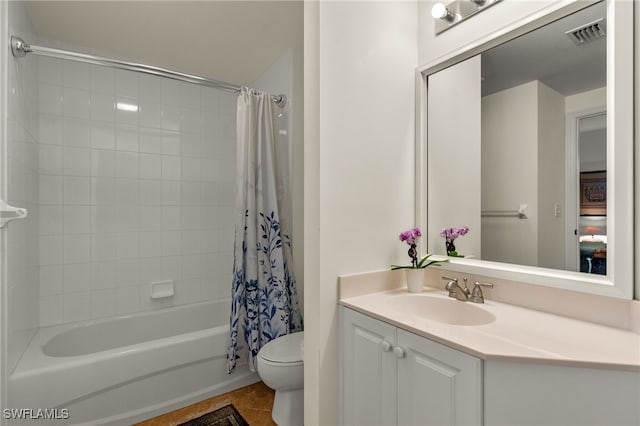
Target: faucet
{"x": 454, "y": 289}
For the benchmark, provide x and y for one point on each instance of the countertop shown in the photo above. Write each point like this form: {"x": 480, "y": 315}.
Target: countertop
{"x": 517, "y": 334}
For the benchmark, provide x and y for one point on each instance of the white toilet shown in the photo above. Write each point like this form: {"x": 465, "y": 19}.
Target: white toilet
{"x": 280, "y": 367}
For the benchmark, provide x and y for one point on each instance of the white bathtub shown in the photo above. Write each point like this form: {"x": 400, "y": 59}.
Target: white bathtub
{"x": 126, "y": 369}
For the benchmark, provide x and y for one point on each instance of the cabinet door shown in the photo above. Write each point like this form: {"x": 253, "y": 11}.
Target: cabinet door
{"x": 367, "y": 371}
{"x": 437, "y": 385}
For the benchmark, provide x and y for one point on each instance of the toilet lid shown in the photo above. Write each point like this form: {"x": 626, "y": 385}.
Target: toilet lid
{"x": 287, "y": 348}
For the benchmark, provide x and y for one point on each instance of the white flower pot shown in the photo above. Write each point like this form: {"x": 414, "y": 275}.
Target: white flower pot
{"x": 415, "y": 280}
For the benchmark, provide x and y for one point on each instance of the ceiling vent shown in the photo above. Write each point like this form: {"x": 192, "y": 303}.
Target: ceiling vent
{"x": 588, "y": 32}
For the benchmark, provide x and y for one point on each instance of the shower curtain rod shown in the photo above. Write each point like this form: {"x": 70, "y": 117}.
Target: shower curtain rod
{"x": 20, "y": 48}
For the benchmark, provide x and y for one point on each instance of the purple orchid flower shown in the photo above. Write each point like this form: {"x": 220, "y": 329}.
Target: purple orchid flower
{"x": 453, "y": 233}
{"x": 411, "y": 237}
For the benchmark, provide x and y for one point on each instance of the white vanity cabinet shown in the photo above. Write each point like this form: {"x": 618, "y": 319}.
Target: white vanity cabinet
{"x": 390, "y": 376}
{"x": 555, "y": 395}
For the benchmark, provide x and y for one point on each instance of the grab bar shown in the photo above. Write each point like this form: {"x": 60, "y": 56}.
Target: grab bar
{"x": 506, "y": 213}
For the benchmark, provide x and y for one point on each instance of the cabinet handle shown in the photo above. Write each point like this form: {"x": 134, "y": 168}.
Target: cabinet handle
{"x": 398, "y": 352}
{"x": 386, "y": 346}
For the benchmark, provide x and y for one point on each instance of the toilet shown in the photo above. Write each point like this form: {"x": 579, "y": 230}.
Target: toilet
{"x": 280, "y": 367}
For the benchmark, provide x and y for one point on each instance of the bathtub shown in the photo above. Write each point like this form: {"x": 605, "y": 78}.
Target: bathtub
{"x": 122, "y": 370}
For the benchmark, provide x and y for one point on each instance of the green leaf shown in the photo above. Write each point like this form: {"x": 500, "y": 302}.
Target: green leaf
{"x": 394, "y": 267}
{"x": 422, "y": 263}
{"x": 435, "y": 263}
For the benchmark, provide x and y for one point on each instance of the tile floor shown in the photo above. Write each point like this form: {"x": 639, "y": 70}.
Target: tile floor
{"x": 253, "y": 402}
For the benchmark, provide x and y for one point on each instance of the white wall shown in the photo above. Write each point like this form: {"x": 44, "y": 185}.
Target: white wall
{"x": 454, "y": 135}
{"x": 551, "y": 170}
{"x": 20, "y": 188}
{"x": 596, "y": 98}
{"x": 128, "y": 198}
{"x": 359, "y": 165}
{"x": 523, "y": 135}
{"x": 591, "y": 151}
{"x": 509, "y": 160}
{"x": 285, "y": 77}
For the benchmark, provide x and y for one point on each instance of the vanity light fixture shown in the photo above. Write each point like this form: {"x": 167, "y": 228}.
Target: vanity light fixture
{"x": 446, "y": 16}
{"x": 440, "y": 11}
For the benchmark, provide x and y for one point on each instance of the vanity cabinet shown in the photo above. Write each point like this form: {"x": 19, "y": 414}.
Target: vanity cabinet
{"x": 390, "y": 376}
{"x": 555, "y": 395}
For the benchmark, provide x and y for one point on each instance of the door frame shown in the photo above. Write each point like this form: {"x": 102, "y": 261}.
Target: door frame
{"x": 572, "y": 184}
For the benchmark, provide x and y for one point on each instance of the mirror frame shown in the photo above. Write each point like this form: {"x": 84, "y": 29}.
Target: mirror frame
{"x": 619, "y": 281}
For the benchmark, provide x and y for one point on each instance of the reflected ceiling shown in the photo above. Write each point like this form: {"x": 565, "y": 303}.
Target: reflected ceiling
{"x": 550, "y": 53}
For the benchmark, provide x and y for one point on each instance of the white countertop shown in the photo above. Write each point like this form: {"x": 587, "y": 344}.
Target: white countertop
{"x": 517, "y": 334}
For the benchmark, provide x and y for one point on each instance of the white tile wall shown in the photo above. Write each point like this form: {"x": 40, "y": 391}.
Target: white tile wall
{"x": 22, "y": 161}
{"x": 131, "y": 197}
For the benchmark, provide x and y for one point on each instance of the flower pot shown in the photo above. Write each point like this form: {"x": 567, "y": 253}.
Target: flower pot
{"x": 451, "y": 248}
{"x": 415, "y": 280}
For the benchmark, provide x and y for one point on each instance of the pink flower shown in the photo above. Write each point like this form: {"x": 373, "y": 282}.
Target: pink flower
{"x": 453, "y": 233}
{"x": 411, "y": 236}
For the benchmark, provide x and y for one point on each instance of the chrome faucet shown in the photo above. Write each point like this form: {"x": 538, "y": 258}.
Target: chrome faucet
{"x": 454, "y": 289}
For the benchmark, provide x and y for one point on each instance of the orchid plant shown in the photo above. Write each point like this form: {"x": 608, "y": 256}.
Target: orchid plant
{"x": 450, "y": 234}
{"x": 411, "y": 237}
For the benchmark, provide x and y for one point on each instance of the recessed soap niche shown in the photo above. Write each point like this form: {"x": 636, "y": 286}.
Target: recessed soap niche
{"x": 162, "y": 289}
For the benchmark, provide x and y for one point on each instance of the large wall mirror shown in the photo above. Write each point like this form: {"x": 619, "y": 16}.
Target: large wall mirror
{"x": 528, "y": 141}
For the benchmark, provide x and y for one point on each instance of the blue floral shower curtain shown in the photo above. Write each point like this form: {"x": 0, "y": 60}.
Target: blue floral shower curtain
{"x": 264, "y": 300}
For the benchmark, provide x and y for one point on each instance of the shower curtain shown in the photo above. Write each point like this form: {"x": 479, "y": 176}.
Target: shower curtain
{"x": 264, "y": 300}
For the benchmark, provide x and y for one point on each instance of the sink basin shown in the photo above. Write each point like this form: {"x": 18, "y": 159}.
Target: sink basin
{"x": 448, "y": 311}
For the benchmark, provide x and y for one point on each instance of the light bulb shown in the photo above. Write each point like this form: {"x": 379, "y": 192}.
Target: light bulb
{"x": 440, "y": 11}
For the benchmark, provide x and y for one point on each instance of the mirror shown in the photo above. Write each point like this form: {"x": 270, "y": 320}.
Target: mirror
{"x": 528, "y": 86}
{"x": 520, "y": 144}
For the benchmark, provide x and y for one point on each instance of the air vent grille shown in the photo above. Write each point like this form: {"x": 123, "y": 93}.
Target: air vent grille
{"x": 588, "y": 32}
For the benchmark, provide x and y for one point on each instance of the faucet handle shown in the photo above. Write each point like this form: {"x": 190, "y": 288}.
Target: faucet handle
{"x": 476, "y": 294}
{"x": 466, "y": 289}
{"x": 449, "y": 287}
